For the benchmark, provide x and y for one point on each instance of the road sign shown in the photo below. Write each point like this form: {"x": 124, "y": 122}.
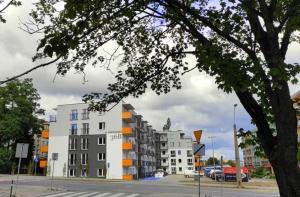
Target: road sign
{"x": 22, "y": 150}
{"x": 36, "y": 159}
{"x": 198, "y": 135}
{"x": 54, "y": 156}
{"x": 199, "y": 149}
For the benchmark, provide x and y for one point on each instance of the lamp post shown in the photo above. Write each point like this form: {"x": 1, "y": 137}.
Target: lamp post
{"x": 213, "y": 152}
{"x": 236, "y": 149}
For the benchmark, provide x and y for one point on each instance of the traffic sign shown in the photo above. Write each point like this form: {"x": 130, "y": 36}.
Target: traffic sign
{"x": 22, "y": 150}
{"x": 198, "y": 135}
{"x": 199, "y": 149}
{"x": 36, "y": 159}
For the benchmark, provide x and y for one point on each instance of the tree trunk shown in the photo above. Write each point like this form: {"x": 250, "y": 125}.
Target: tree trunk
{"x": 287, "y": 177}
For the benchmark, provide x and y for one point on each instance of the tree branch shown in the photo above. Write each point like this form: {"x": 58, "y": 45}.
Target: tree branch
{"x": 28, "y": 71}
{"x": 6, "y": 6}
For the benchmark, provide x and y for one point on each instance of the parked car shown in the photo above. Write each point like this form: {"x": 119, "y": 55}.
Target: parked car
{"x": 160, "y": 173}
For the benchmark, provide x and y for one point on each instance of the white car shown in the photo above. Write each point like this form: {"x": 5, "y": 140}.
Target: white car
{"x": 192, "y": 173}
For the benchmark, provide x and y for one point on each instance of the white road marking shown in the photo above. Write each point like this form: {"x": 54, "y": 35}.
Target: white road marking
{"x": 116, "y": 195}
{"x": 89, "y": 194}
{"x": 102, "y": 195}
{"x": 76, "y": 194}
{"x": 60, "y": 194}
{"x": 132, "y": 195}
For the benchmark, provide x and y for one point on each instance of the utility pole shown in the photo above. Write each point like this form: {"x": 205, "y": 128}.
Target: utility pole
{"x": 236, "y": 150}
{"x": 213, "y": 149}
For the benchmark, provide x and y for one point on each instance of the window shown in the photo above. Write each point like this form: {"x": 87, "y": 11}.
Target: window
{"x": 85, "y": 129}
{"x": 84, "y": 172}
{"x": 84, "y": 158}
{"x": 179, "y": 152}
{"x": 178, "y": 144}
{"x": 101, "y": 156}
{"x": 100, "y": 172}
{"x": 101, "y": 140}
{"x": 171, "y": 144}
{"x": 85, "y": 114}
{"x": 72, "y": 143}
{"x": 73, "y": 130}
{"x": 189, "y": 153}
{"x": 179, "y": 160}
{"x": 84, "y": 143}
{"x": 190, "y": 162}
{"x": 173, "y": 162}
{"x": 180, "y": 169}
{"x": 72, "y": 172}
{"x": 173, "y": 153}
{"x": 173, "y": 169}
{"x": 190, "y": 168}
{"x": 164, "y": 161}
{"x": 74, "y": 114}
{"x": 101, "y": 125}
{"x": 72, "y": 159}
{"x": 163, "y": 152}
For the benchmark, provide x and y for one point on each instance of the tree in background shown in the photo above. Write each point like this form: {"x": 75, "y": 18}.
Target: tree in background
{"x": 19, "y": 110}
{"x": 231, "y": 163}
{"x": 210, "y": 161}
{"x": 241, "y": 43}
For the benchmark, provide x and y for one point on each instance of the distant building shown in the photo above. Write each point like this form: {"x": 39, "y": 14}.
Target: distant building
{"x": 117, "y": 144}
{"x": 296, "y": 100}
{"x": 174, "y": 151}
{"x": 40, "y": 153}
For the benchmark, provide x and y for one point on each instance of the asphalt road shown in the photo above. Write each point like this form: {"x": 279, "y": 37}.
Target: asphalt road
{"x": 160, "y": 188}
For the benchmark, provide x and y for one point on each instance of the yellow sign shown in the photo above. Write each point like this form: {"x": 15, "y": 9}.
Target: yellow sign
{"x": 198, "y": 135}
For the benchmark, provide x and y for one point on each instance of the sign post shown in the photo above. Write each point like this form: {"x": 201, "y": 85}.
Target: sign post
{"x": 36, "y": 160}
{"x": 54, "y": 158}
{"x": 21, "y": 152}
{"x": 198, "y": 134}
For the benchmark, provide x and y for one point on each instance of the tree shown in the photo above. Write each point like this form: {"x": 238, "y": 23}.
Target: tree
{"x": 231, "y": 163}
{"x": 19, "y": 108}
{"x": 4, "y": 5}
{"x": 241, "y": 43}
{"x": 211, "y": 161}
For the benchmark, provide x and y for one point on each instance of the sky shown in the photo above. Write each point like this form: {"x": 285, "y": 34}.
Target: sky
{"x": 198, "y": 105}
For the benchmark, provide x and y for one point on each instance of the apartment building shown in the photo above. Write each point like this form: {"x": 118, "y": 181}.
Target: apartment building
{"x": 174, "y": 152}
{"x": 252, "y": 160}
{"x": 296, "y": 100}
{"x": 40, "y": 147}
{"x": 106, "y": 145}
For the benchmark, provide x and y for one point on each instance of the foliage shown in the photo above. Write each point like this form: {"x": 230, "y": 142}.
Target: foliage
{"x": 241, "y": 43}
{"x": 19, "y": 108}
{"x": 210, "y": 161}
{"x": 250, "y": 139}
{"x": 231, "y": 163}
{"x": 4, "y": 5}
{"x": 261, "y": 172}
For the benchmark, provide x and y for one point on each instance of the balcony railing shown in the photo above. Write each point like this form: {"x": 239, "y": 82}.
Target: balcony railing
{"x": 127, "y": 162}
{"x": 173, "y": 163}
{"x": 45, "y": 134}
{"x": 127, "y": 131}
{"x": 127, "y": 116}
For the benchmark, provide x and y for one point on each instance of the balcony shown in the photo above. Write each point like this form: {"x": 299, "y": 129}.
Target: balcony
{"x": 127, "y": 131}
{"x": 164, "y": 163}
{"x": 45, "y": 134}
{"x": 43, "y": 164}
{"x": 164, "y": 155}
{"x": 127, "y": 177}
{"x": 44, "y": 149}
{"x": 163, "y": 138}
{"x": 163, "y": 147}
{"x": 127, "y": 146}
{"x": 127, "y": 116}
{"x": 127, "y": 162}
{"x": 198, "y": 164}
{"x": 73, "y": 131}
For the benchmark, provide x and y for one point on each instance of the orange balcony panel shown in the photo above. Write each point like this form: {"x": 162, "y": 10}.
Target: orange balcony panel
{"x": 45, "y": 134}
{"x": 127, "y": 146}
{"x": 199, "y": 164}
{"x": 127, "y": 177}
{"x": 127, "y": 116}
{"x": 127, "y": 162}
{"x": 127, "y": 131}
{"x": 43, "y": 164}
{"x": 44, "y": 149}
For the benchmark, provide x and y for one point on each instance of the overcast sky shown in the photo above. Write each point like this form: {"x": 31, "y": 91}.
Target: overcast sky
{"x": 199, "y": 105}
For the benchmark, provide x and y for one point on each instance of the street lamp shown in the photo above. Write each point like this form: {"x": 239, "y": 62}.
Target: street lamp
{"x": 236, "y": 148}
{"x": 212, "y": 145}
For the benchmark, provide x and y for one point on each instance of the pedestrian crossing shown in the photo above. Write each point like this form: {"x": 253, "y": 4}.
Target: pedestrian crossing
{"x": 90, "y": 194}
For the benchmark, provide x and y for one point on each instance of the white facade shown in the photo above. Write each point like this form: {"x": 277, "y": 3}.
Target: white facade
{"x": 114, "y": 155}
